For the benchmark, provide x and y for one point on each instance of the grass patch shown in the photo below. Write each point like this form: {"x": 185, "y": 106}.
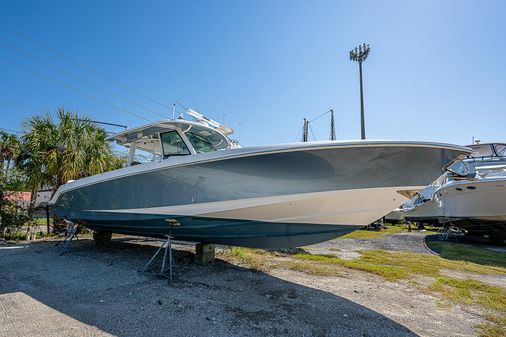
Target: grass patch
{"x": 14, "y": 236}
{"x": 495, "y": 327}
{"x": 318, "y": 269}
{"x": 255, "y": 259}
{"x": 469, "y": 291}
{"x": 401, "y": 265}
{"x": 466, "y": 252}
{"x": 375, "y": 234}
{"x": 43, "y": 221}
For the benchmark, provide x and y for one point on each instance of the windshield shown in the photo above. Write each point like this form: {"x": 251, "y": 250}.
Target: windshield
{"x": 500, "y": 149}
{"x": 484, "y": 150}
{"x": 173, "y": 145}
{"x": 199, "y": 143}
{"x": 204, "y": 139}
{"x": 462, "y": 169}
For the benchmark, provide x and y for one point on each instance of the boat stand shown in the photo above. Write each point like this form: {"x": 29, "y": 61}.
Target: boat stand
{"x": 71, "y": 234}
{"x": 167, "y": 247}
{"x": 444, "y": 232}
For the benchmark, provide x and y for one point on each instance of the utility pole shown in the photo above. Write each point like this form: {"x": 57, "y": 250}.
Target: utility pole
{"x": 359, "y": 54}
{"x": 305, "y": 130}
{"x": 332, "y": 126}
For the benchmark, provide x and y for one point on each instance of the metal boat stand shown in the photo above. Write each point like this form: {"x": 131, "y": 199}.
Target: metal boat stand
{"x": 444, "y": 232}
{"x": 167, "y": 248}
{"x": 71, "y": 234}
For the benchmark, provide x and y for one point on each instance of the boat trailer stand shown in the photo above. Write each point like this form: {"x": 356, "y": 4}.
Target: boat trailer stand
{"x": 167, "y": 250}
{"x": 72, "y": 230}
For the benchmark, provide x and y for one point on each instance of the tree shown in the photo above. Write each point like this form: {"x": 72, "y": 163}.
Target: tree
{"x": 72, "y": 147}
{"x": 9, "y": 151}
{"x": 12, "y": 215}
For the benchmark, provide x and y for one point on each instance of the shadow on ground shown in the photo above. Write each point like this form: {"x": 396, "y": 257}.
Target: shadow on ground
{"x": 103, "y": 291}
{"x": 464, "y": 249}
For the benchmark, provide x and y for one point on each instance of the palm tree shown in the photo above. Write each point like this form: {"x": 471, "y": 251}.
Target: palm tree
{"x": 68, "y": 149}
{"x": 9, "y": 150}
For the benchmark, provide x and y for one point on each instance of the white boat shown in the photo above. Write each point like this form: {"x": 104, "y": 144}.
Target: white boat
{"x": 422, "y": 207}
{"x": 472, "y": 196}
{"x": 204, "y": 188}
{"x": 477, "y": 206}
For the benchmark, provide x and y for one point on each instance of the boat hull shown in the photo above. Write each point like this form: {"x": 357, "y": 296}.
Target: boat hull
{"x": 428, "y": 212}
{"x": 479, "y": 206}
{"x": 270, "y": 198}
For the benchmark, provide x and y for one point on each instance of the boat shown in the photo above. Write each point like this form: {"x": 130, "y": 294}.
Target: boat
{"x": 477, "y": 206}
{"x": 198, "y": 185}
{"x": 487, "y": 154}
{"x": 395, "y": 217}
{"x": 470, "y": 195}
{"x": 422, "y": 208}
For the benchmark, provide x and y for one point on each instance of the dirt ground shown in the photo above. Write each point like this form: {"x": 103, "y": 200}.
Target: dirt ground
{"x": 99, "y": 292}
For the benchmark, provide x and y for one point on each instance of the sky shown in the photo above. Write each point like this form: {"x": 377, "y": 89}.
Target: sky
{"x": 435, "y": 72}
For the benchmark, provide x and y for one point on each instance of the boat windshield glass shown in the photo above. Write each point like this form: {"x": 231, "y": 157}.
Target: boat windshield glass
{"x": 500, "y": 149}
{"x": 204, "y": 139}
{"x": 462, "y": 169}
{"x": 173, "y": 145}
{"x": 199, "y": 143}
{"x": 484, "y": 150}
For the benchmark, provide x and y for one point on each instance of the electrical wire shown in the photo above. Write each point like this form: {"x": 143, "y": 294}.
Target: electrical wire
{"x": 78, "y": 78}
{"x": 48, "y": 78}
{"x": 299, "y": 134}
{"x": 81, "y": 65}
{"x": 9, "y": 130}
{"x": 21, "y": 105}
{"x": 312, "y": 132}
{"x": 323, "y": 114}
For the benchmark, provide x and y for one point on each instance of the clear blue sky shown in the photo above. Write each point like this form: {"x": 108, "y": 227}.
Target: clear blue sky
{"x": 436, "y": 69}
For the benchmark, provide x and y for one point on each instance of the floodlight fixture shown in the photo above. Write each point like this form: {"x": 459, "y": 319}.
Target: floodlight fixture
{"x": 359, "y": 54}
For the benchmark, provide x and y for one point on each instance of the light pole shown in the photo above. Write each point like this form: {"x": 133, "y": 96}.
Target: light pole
{"x": 359, "y": 54}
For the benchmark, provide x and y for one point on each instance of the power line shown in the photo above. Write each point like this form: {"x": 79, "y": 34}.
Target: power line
{"x": 9, "y": 130}
{"x": 298, "y": 135}
{"x": 81, "y": 65}
{"x": 48, "y": 78}
{"x": 312, "y": 132}
{"x": 323, "y": 114}
{"x": 21, "y": 105}
{"x": 78, "y": 78}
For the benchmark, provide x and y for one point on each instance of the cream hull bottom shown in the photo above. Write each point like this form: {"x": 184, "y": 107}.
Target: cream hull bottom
{"x": 345, "y": 207}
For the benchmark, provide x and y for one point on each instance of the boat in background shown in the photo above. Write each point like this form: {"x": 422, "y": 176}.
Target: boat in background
{"x": 470, "y": 196}
{"x": 202, "y": 187}
{"x": 477, "y": 206}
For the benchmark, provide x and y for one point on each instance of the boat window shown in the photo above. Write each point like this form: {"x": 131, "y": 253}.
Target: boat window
{"x": 484, "y": 150}
{"x": 200, "y": 144}
{"x": 500, "y": 149}
{"x": 173, "y": 145}
{"x": 205, "y": 139}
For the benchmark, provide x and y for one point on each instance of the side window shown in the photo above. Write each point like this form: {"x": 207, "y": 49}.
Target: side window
{"x": 173, "y": 145}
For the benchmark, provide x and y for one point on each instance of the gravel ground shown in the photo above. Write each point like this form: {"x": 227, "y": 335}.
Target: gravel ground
{"x": 99, "y": 292}
{"x": 407, "y": 242}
